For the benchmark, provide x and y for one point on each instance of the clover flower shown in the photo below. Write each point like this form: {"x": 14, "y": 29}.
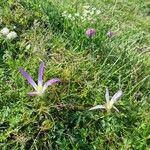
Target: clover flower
{"x": 109, "y": 34}
{"x": 40, "y": 87}
{"x": 90, "y": 32}
{"x": 4, "y": 31}
{"x": 109, "y": 103}
{"x": 11, "y": 35}
{"x": 98, "y": 12}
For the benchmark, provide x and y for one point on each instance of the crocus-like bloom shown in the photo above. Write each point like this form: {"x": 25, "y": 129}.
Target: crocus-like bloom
{"x": 11, "y": 35}
{"x": 109, "y": 34}
{"x": 4, "y": 31}
{"x": 90, "y": 32}
{"x": 40, "y": 87}
{"x": 109, "y": 103}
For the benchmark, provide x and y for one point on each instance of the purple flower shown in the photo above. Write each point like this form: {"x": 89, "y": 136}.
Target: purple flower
{"x": 109, "y": 103}
{"x": 40, "y": 87}
{"x": 109, "y": 34}
{"x": 90, "y": 32}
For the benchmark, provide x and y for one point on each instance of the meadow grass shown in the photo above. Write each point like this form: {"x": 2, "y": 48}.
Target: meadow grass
{"x": 53, "y": 32}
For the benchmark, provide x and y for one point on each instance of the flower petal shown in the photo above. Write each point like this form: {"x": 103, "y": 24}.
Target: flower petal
{"x": 116, "y": 96}
{"x": 32, "y": 93}
{"x": 97, "y": 107}
{"x": 107, "y": 95}
{"x": 40, "y": 73}
{"x": 50, "y": 82}
{"x": 28, "y": 77}
{"x": 115, "y": 108}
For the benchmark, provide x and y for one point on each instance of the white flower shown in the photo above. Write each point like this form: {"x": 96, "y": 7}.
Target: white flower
{"x": 64, "y": 14}
{"x": 92, "y": 13}
{"x": 82, "y": 18}
{"x": 77, "y": 14}
{"x": 4, "y": 31}
{"x": 109, "y": 103}
{"x": 69, "y": 16}
{"x": 73, "y": 18}
{"x": 28, "y": 47}
{"x": 98, "y": 12}
{"x": 86, "y": 6}
{"x": 85, "y": 14}
{"x": 11, "y": 35}
{"x": 93, "y": 8}
{"x": 86, "y": 11}
{"x": 89, "y": 19}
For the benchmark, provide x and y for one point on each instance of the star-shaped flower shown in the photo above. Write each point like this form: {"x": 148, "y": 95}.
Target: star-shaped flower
{"x": 40, "y": 87}
{"x": 109, "y": 103}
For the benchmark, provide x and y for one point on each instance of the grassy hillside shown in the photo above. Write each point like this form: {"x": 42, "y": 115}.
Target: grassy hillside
{"x": 54, "y": 32}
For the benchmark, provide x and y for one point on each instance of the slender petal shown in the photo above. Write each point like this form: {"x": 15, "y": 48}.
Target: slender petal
{"x": 116, "y": 96}
{"x": 107, "y": 95}
{"x": 115, "y": 108}
{"x": 32, "y": 93}
{"x": 50, "y": 82}
{"x": 28, "y": 77}
{"x": 40, "y": 73}
{"x": 97, "y": 107}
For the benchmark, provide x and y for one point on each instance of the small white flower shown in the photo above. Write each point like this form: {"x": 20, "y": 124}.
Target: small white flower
{"x": 92, "y": 13}
{"x": 98, "y": 12}
{"x": 82, "y": 18}
{"x": 4, "y": 31}
{"x": 73, "y": 18}
{"x": 28, "y": 47}
{"x": 86, "y": 11}
{"x": 93, "y": 8}
{"x": 64, "y": 14}
{"x": 77, "y": 14}
{"x": 109, "y": 103}
{"x": 11, "y": 35}
{"x": 89, "y": 19}
{"x": 69, "y": 16}
{"x": 85, "y": 14}
{"x": 14, "y": 27}
{"x": 86, "y": 6}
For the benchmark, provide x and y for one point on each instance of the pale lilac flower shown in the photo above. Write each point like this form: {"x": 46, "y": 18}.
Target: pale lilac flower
{"x": 40, "y": 87}
{"x": 109, "y": 103}
{"x": 90, "y": 32}
{"x": 11, "y": 35}
{"x": 109, "y": 34}
{"x": 4, "y": 31}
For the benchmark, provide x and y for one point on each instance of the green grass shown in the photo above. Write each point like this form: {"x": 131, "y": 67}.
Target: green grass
{"x": 60, "y": 120}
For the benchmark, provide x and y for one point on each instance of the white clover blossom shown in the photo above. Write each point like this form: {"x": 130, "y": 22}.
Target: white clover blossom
{"x": 28, "y": 47}
{"x": 109, "y": 103}
{"x": 86, "y": 11}
{"x": 93, "y": 8}
{"x": 85, "y": 14}
{"x": 92, "y": 13}
{"x": 11, "y": 35}
{"x": 64, "y": 14}
{"x": 77, "y": 14}
{"x": 86, "y": 6}
{"x": 69, "y": 16}
{"x": 4, "y": 31}
{"x": 98, "y": 12}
